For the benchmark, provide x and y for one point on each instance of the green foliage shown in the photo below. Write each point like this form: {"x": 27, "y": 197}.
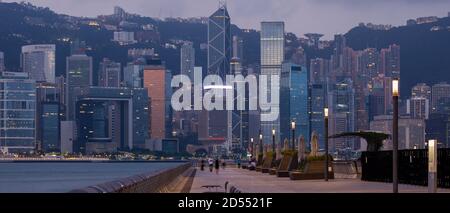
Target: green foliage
{"x": 317, "y": 158}
{"x": 289, "y": 153}
{"x": 276, "y": 163}
{"x": 374, "y": 139}
{"x": 302, "y": 165}
{"x": 271, "y": 154}
{"x": 260, "y": 156}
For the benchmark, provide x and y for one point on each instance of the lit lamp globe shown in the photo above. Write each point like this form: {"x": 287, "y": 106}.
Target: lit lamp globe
{"x": 395, "y": 87}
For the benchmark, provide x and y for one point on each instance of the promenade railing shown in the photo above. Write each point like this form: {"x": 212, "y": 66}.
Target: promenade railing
{"x": 412, "y": 168}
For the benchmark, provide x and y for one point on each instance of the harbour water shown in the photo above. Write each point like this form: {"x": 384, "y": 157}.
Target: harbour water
{"x": 60, "y": 177}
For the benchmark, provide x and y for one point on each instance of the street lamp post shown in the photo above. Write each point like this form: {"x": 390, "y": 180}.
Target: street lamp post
{"x": 251, "y": 147}
{"x": 325, "y": 111}
{"x": 293, "y": 135}
{"x": 273, "y": 141}
{"x": 261, "y": 150}
{"x": 395, "y": 96}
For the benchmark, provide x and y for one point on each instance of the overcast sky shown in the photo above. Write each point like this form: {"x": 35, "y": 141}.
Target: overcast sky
{"x": 301, "y": 16}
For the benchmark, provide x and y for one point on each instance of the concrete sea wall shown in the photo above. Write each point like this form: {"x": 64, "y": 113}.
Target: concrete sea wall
{"x": 154, "y": 182}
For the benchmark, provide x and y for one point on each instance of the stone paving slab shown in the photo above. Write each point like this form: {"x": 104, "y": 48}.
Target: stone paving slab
{"x": 256, "y": 182}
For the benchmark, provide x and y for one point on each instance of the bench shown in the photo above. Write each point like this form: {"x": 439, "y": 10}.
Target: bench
{"x": 209, "y": 187}
{"x": 234, "y": 190}
{"x": 313, "y": 170}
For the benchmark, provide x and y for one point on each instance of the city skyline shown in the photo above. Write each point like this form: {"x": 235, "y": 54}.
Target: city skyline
{"x": 125, "y": 103}
{"x": 335, "y": 17}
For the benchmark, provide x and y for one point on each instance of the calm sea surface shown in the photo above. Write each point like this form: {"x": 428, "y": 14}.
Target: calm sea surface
{"x": 63, "y": 177}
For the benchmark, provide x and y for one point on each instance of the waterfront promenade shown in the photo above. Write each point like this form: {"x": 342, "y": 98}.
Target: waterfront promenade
{"x": 256, "y": 182}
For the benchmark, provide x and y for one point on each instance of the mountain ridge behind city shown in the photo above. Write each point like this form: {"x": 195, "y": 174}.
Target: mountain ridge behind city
{"x": 425, "y": 48}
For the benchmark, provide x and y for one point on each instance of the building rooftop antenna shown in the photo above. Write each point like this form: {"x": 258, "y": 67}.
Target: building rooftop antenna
{"x": 222, "y": 4}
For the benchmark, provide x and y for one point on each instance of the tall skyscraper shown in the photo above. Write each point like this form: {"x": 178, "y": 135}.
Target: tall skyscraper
{"x": 421, "y": 90}
{"x": 341, "y": 102}
{"x": 361, "y": 110}
{"x": 132, "y": 75}
{"x": 47, "y": 117}
{"x": 440, "y": 90}
{"x": 349, "y": 63}
{"x": 390, "y": 61}
{"x": 238, "y": 120}
{"x": 294, "y": 101}
{"x": 376, "y": 105}
{"x": 272, "y": 58}
{"x": 77, "y": 47}
{"x": 418, "y": 107}
{"x": 39, "y": 62}
{"x": 368, "y": 65}
{"x": 219, "y": 42}
{"x": 109, "y": 73}
{"x": 92, "y": 127}
{"x": 340, "y": 43}
{"x": 185, "y": 121}
{"x": 187, "y": 60}
{"x": 238, "y": 48}
{"x": 157, "y": 81}
{"x": 50, "y": 125}
{"x": 317, "y": 104}
{"x": 17, "y": 113}
{"x": 319, "y": 69}
{"x": 2, "y": 62}
{"x": 219, "y": 57}
{"x": 78, "y": 74}
{"x": 61, "y": 90}
{"x": 111, "y": 118}
{"x": 67, "y": 136}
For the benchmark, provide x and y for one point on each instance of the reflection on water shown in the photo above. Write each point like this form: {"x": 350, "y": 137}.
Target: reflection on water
{"x": 63, "y": 177}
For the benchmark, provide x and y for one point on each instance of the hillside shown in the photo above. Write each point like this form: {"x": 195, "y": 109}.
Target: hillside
{"x": 425, "y": 54}
{"x": 23, "y": 24}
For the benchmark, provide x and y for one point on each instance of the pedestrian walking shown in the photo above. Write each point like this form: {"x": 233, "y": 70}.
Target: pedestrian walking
{"x": 211, "y": 164}
{"x": 217, "y": 165}
{"x": 202, "y": 165}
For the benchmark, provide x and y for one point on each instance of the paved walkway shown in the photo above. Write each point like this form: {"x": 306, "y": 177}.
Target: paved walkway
{"x": 256, "y": 182}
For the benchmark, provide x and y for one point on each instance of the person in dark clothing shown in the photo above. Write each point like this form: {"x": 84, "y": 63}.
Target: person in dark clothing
{"x": 224, "y": 164}
{"x": 202, "y": 165}
{"x": 217, "y": 166}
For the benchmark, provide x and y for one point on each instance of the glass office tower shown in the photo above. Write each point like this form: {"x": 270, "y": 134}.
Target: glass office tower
{"x": 317, "y": 105}
{"x": 272, "y": 57}
{"x": 294, "y": 105}
{"x": 78, "y": 74}
{"x": 39, "y": 62}
{"x": 219, "y": 57}
{"x": 17, "y": 112}
{"x": 50, "y": 127}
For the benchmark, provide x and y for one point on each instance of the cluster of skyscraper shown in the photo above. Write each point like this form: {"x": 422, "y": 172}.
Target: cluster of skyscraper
{"x": 78, "y": 113}
{"x": 129, "y": 107}
{"x": 354, "y": 85}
